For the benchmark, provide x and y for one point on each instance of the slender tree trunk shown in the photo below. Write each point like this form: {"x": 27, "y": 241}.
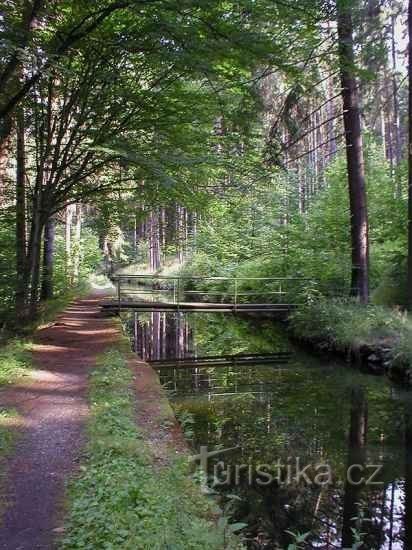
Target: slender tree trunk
{"x": 21, "y": 253}
{"x": 354, "y": 154}
{"x": 68, "y": 243}
{"x": 48, "y": 260}
{"x": 34, "y": 260}
{"x": 389, "y": 124}
{"x": 154, "y": 241}
{"x": 135, "y": 236}
{"x": 6, "y": 127}
{"x": 409, "y": 278}
{"x": 395, "y": 92}
{"x": 77, "y": 251}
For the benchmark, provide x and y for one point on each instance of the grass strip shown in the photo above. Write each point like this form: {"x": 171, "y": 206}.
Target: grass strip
{"x": 14, "y": 363}
{"x": 120, "y": 499}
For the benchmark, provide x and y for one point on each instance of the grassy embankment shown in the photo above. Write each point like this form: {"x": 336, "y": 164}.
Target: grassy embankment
{"x": 376, "y": 335}
{"x": 121, "y": 499}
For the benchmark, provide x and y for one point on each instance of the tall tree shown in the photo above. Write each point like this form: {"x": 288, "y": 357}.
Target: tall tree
{"x": 354, "y": 154}
{"x": 48, "y": 260}
{"x": 21, "y": 252}
{"x": 24, "y": 22}
{"x": 409, "y": 277}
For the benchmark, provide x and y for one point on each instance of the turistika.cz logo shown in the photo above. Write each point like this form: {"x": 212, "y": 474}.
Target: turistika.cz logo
{"x": 292, "y": 471}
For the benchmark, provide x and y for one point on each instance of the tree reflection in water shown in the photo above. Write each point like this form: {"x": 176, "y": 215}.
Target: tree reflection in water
{"x": 311, "y": 409}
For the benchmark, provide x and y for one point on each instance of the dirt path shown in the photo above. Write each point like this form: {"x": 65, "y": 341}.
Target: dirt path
{"x": 53, "y": 403}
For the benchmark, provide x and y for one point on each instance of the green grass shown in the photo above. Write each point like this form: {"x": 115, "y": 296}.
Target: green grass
{"x": 8, "y": 420}
{"x": 346, "y": 324}
{"x": 14, "y": 363}
{"x": 120, "y": 500}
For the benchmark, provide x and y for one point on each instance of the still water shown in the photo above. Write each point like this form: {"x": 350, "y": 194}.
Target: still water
{"x": 316, "y": 448}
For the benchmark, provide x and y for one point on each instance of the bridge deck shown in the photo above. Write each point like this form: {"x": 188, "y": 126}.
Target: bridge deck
{"x": 115, "y": 305}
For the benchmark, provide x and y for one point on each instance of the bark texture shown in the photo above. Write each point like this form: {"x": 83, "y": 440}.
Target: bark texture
{"x": 409, "y": 278}
{"x": 354, "y": 154}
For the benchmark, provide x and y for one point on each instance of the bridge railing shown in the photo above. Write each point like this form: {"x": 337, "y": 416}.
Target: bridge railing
{"x": 233, "y": 290}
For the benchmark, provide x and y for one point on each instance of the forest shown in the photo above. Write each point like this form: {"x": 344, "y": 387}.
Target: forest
{"x": 227, "y": 139}
{"x": 265, "y": 144}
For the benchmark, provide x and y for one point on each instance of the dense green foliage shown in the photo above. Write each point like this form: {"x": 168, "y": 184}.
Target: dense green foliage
{"x": 7, "y": 262}
{"x": 89, "y": 257}
{"x": 346, "y": 325}
{"x": 246, "y": 234}
{"x": 148, "y": 507}
{"x": 202, "y": 138}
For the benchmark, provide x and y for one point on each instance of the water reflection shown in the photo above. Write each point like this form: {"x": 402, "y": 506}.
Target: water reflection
{"x": 159, "y": 335}
{"x": 355, "y": 468}
{"x": 317, "y": 412}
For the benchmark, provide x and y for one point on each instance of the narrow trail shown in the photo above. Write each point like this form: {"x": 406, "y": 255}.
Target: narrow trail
{"x": 53, "y": 404}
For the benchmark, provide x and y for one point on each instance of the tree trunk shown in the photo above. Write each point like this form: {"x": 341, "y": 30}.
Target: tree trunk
{"x": 354, "y": 154}
{"x": 154, "y": 241}
{"x": 395, "y": 92}
{"x": 409, "y": 279}
{"x": 77, "y": 251}
{"x": 21, "y": 253}
{"x": 48, "y": 260}
{"x": 34, "y": 258}
{"x": 6, "y": 127}
{"x": 68, "y": 243}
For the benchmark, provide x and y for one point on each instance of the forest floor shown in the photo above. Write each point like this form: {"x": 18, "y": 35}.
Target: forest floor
{"x": 54, "y": 408}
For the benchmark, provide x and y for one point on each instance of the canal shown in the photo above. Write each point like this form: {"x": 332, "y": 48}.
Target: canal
{"x": 303, "y": 448}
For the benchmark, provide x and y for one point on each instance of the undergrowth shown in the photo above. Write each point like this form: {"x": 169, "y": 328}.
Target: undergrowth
{"x": 9, "y": 418}
{"x": 121, "y": 500}
{"x": 14, "y": 361}
{"x": 347, "y": 324}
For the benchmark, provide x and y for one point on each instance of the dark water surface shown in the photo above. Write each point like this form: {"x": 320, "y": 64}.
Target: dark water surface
{"x": 305, "y": 435}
